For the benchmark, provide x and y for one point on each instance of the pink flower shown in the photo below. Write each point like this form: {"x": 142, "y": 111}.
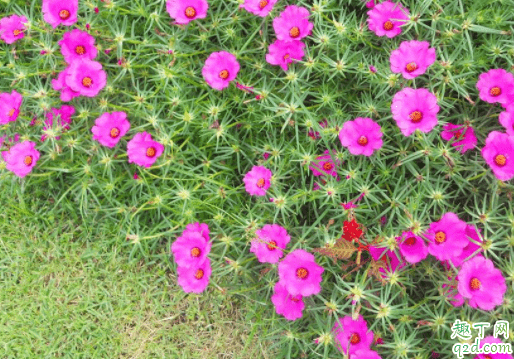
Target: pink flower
{"x": 470, "y": 247}
{"x": 12, "y": 28}
{"x": 258, "y": 7}
{"x": 257, "y": 180}
{"x": 292, "y": 24}
{"x": 506, "y": 119}
{"x": 487, "y": 354}
{"x": 496, "y": 85}
{"x": 9, "y": 106}
{"x": 447, "y": 237}
{"x": 387, "y": 18}
{"x": 86, "y": 77}
{"x": 143, "y": 151}
{"x": 465, "y": 138}
{"x": 390, "y": 259}
{"x": 300, "y": 274}
{"x": 59, "y": 84}
{"x": 190, "y": 249}
{"x": 21, "y": 158}
{"x": 365, "y": 354}
{"x": 415, "y": 110}
{"x": 289, "y": 306}
{"x": 282, "y": 53}
{"x": 57, "y": 12}
{"x": 352, "y": 334}
{"x": 184, "y": 11}
{"x": 412, "y": 58}
{"x": 220, "y": 68}
{"x": 370, "y": 4}
{"x": 201, "y": 228}
{"x": 109, "y": 128}
{"x": 498, "y": 153}
{"x": 361, "y": 136}
{"x": 195, "y": 279}
{"x": 270, "y": 241}
{"x": 324, "y": 165}
{"x": 373, "y": 69}
{"x": 77, "y": 45}
{"x": 63, "y": 114}
{"x": 412, "y": 247}
{"x": 481, "y": 283}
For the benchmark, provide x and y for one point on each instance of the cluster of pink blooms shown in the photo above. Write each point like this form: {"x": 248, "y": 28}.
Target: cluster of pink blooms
{"x": 191, "y": 252}
{"x": 353, "y": 338}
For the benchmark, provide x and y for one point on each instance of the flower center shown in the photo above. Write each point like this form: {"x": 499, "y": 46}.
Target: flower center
{"x": 355, "y": 338}
{"x": 224, "y": 74}
{"x": 475, "y": 284}
{"x": 458, "y": 134}
{"x": 199, "y": 274}
{"x": 272, "y": 245}
{"x": 296, "y": 298}
{"x": 487, "y": 357}
{"x": 195, "y": 252}
{"x": 302, "y": 273}
{"x": 410, "y": 241}
{"x": 411, "y": 66}
{"x": 495, "y": 91}
{"x": 262, "y": 4}
{"x": 440, "y": 237}
{"x": 27, "y": 160}
{"x": 190, "y": 12}
{"x": 260, "y": 182}
{"x": 80, "y": 50}
{"x": 17, "y": 32}
{"x": 294, "y": 32}
{"x": 388, "y": 25}
{"x": 87, "y": 81}
{"x": 327, "y": 166}
{"x": 363, "y": 141}
{"x": 64, "y": 14}
{"x": 500, "y": 160}
{"x": 286, "y": 56}
{"x": 416, "y": 116}
{"x": 115, "y": 132}
{"x": 150, "y": 152}
{"x": 11, "y": 113}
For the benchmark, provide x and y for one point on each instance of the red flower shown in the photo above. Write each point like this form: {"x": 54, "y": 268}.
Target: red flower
{"x": 351, "y": 230}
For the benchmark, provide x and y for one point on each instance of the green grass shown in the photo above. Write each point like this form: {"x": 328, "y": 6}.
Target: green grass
{"x": 68, "y": 294}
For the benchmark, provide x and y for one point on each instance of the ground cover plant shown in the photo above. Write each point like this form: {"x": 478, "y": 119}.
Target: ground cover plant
{"x": 344, "y": 166}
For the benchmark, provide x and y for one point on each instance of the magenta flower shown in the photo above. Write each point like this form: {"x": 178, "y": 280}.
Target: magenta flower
{"x": 412, "y": 247}
{"x": 387, "y": 18}
{"x": 289, "y": 306}
{"x": 62, "y": 116}
{"x": 412, "y": 58}
{"x": 77, "y": 45}
{"x": 481, "y": 283}
{"x": 370, "y": 4}
{"x": 506, "y": 119}
{"x": 257, "y": 180}
{"x": 470, "y": 248}
{"x": 86, "y": 77}
{"x": 21, "y": 158}
{"x": 220, "y": 68}
{"x": 487, "y": 354}
{"x": 57, "y": 12}
{"x": 325, "y": 165}
{"x": 59, "y": 84}
{"x": 282, "y": 53}
{"x": 498, "y": 153}
{"x": 292, "y": 24}
{"x": 143, "y": 151}
{"x": 9, "y": 106}
{"x": 184, "y": 11}
{"x": 496, "y": 85}
{"x": 190, "y": 249}
{"x": 415, "y": 110}
{"x": 389, "y": 259}
{"x": 352, "y": 334}
{"x": 109, "y": 128}
{"x": 195, "y": 279}
{"x": 361, "y": 136}
{"x": 201, "y": 228}
{"x": 270, "y": 241}
{"x": 447, "y": 237}
{"x": 258, "y": 7}
{"x": 464, "y": 136}
{"x": 365, "y": 354}
{"x": 300, "y": 274}
{"x": 12, "y": 28}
